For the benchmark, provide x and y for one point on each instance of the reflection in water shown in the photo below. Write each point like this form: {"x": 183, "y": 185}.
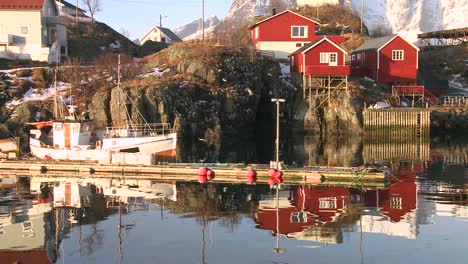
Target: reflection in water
{"x": 74, "y": 220}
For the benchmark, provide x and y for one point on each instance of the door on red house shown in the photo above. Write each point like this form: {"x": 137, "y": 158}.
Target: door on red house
{"x": 333, "y": 59}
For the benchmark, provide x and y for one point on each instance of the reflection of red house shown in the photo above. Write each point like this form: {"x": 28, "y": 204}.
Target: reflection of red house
{"x": 311, "y": 207}
{"x": 31, "y": 256}
{"x": 285, "y": 32}
{"x": 321, "y": 57}
{"x": 400, "y": 198}
{"x": 388, "y": 59}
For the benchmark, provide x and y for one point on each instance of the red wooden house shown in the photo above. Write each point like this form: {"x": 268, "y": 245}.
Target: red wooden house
{"x": 389, "y": 59}
{"x": 285, "y": 32}
{"x": 321, "y": 57}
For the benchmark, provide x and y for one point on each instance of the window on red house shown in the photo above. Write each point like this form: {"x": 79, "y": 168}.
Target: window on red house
{"x": 299, "y": 31}
{"x": 298, "y": 45}
{"x": 398, "y": 55}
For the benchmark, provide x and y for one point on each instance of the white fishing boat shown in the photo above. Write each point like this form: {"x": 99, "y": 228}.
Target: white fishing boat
{"x": 74, "y": 138}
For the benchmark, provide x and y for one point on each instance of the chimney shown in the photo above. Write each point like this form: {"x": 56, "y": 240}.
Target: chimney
{"x": 274, "y": 11}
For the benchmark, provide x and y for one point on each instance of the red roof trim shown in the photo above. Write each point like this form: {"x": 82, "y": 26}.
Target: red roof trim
{"x": 21, "y": 4}
{"x": 322, "y": 40}
{"x": 398, "y": 35}
{"x": 279, "y": 14}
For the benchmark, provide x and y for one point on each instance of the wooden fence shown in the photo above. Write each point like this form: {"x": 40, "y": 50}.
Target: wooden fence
{"x": 397, "y": 122}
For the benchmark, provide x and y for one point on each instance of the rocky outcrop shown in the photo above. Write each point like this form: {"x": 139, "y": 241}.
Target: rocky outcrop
{"x": 212, "y": 99}
{"x": 343, "y": 115}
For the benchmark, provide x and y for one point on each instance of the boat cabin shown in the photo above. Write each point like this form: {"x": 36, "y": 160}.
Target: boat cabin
{"x": 70, "y": 133}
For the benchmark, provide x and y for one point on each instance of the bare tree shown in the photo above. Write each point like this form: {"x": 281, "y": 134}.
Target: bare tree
{"x": 125, "y": 32}
{"x": 93, "y": 6}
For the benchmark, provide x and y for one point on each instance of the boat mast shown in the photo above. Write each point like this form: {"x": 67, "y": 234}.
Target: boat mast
{"x": 55, "y": 91}
{"x": 120, "y": 92}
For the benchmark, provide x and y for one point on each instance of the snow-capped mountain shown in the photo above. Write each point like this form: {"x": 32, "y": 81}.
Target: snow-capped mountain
{"x": 410, "y": 17}
{"x": 193, "y": 30}
{"x": 244, "y": 10}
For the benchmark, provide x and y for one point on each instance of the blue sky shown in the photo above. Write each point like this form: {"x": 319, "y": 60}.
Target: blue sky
{"x": 139, "y": 16}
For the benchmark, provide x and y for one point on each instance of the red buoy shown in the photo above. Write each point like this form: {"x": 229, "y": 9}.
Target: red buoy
{"x": 271, "y": 181}
{"x": 202, "y": 179}
{"x": 278, "y": 174}
{"x": 210, "y": 174}
{"x": 251, "y": 173}
{"x": 271, "y": 172}
{"x": 278, "y": 180}
{"x": 251, "y": 179}
{"x": 202, "y": 171}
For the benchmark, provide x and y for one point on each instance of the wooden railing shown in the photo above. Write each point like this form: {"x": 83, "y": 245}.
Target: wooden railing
{"x": 415, "y": 90}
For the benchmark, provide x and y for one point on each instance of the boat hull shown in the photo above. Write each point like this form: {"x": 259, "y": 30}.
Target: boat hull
{"x": 150, "y": 150}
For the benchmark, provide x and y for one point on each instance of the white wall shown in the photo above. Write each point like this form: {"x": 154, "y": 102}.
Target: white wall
{"x": 281, "y": 49}
{"x": 33, "y": 44}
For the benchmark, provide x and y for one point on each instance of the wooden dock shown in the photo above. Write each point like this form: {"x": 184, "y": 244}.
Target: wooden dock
{"x": 397, "y": 122}
{"x": 336, "y": 176}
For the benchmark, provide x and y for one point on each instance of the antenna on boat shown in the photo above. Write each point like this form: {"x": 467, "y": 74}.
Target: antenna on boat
{"x": 118, "y": 88}
{"x": 55, "y": 90}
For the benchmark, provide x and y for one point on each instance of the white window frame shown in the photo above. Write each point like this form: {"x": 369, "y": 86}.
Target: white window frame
{"x": 328, "y": 203}
{"x": 398, "y": 55}
{"x": 353, "y": 57}
{"x": 359, "y": 56}
{"x": 21, "y": 30}
{"x": 298, "y": 217}
{"x": 324, "y": 57}
{"x": 333, "y": 53}
{"x": 306, "y": 31}
{"x": 257, "y": 33}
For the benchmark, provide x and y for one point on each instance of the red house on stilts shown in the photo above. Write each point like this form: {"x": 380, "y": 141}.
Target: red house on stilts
{"x": 320, "y": 64}
{"x": 389, "y": 59}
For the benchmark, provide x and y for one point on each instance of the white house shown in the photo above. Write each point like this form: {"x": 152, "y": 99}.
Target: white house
{"x": 69, "y": 10}
{"x": 160, "y": 34}
{"x": 32, "y": 29}
{"x": 302, "y": 3}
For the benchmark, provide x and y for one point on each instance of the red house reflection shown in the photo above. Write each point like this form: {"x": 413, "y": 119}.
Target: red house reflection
{"x": 308, "y": 207}
{"x": 398, "y": 200}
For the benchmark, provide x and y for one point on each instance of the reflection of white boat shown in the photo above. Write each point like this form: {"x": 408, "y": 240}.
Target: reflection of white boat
{"x": 73, "y": 138}
{"x": 72, "y": 195}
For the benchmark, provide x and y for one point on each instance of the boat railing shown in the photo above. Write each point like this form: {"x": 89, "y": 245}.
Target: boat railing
{"x": 139, "y": 130}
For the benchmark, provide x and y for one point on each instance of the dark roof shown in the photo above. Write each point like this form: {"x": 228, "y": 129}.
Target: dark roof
{"x": 436, "y": 84}
{"x": 21, "y": 4}
{"x": 65, "y": 3}
{"x": 374, "y": 44}
{"x": 169, "y": 34}
{"x": 306, "y": 46}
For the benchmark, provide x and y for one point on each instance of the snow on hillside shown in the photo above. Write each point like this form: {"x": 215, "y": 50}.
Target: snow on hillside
{"x": 410, "y": 17}
{"x": 194, "y": 29}
{"x": 199, "y": 34}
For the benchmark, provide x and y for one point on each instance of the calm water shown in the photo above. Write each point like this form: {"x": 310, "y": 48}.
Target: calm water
{"x": 422, "y": 217}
